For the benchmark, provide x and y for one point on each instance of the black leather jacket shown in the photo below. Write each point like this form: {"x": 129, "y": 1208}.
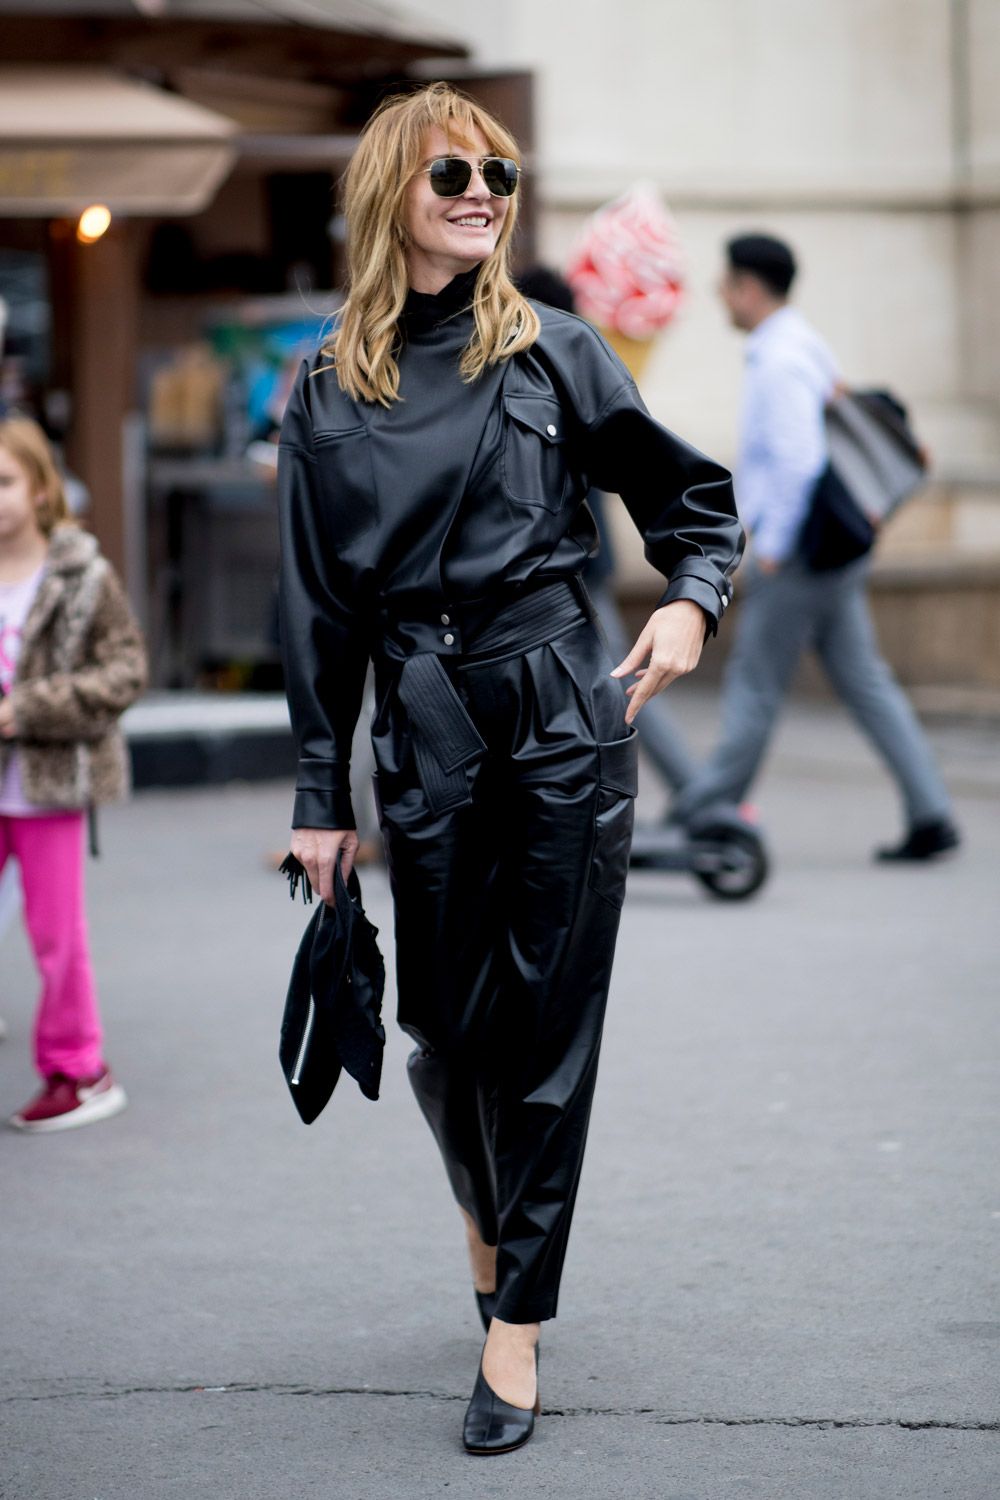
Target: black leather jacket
{"x": 460, "y": 493}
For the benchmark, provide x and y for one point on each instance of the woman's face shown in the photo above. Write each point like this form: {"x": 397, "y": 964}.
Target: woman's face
{"x": 450, "y": 235}
{"x": 18, "y": 502}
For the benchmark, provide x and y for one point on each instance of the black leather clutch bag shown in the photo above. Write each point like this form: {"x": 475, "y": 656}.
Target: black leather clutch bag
{"x": 332, "y": 1013}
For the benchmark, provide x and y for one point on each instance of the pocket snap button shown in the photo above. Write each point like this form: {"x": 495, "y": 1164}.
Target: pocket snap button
{"x": 551, "y": 430}
{"x": 449, "y": 639}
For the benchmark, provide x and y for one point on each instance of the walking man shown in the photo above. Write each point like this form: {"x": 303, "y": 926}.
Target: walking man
{"x": 790, "y": 376}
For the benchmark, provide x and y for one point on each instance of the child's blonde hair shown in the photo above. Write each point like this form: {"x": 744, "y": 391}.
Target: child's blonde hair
{"x": 27, "y": 444}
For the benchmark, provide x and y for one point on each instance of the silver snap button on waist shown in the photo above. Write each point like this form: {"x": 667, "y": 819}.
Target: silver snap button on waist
{"x": 449, "y": 639}
{"x": 446, "y": 619}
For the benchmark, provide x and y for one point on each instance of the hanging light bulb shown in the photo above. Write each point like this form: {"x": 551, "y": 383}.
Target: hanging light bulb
{"x": 93, "y": 222}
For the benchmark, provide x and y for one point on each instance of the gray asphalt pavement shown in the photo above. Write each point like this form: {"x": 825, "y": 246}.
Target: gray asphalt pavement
{"x": 783, "y": 1279}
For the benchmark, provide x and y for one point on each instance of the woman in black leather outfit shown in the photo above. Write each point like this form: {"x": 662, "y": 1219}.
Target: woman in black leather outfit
{"x": 434, "y": 460}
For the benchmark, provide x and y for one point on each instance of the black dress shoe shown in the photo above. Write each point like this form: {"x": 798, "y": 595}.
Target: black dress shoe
{"x": 924, "y": 841}
{"x": 494, "y": 1426}
{"x": 487, "y": 1304}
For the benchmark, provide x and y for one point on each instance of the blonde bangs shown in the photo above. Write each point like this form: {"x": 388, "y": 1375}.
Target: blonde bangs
{"x": 364, "y": 344}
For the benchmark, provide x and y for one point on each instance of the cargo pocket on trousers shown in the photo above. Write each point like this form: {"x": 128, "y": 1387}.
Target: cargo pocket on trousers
{"x": 617, "y": 777}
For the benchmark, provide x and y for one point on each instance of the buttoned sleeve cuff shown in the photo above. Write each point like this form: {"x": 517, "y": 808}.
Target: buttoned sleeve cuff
{"x": 322, "y": 796}
{"x": 700, "y": 581}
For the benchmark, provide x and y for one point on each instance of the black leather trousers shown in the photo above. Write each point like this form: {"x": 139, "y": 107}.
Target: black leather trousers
{"x": 506, "y": 910}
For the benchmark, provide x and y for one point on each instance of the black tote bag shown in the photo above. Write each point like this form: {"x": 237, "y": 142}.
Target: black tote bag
{"x": 875, "y": 464}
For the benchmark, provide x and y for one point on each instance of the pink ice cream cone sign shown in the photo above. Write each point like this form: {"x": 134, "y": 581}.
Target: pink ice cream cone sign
{"x": 626, "y": 270}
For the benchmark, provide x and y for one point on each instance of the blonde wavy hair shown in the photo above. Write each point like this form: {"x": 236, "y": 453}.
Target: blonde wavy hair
{"x": 364, "y": 344}
{"x": 27, "y": 444}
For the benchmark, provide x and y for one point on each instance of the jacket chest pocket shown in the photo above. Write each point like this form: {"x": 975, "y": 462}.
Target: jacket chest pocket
{"x": 344, "y": 460}
{"x": 535, "y": 467}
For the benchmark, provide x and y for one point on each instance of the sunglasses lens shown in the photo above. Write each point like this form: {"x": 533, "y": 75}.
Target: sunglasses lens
{"x": 450, "y": 176}
{"x": 500, "y": 175}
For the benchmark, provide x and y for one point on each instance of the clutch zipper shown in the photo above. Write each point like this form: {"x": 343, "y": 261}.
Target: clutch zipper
{"x": 304, "y": 1046}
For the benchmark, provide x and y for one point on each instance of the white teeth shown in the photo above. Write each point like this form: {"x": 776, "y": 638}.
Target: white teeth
{"x": 476, "y": 221}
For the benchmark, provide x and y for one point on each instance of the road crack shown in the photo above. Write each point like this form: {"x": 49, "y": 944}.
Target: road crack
{"x": 406, "y": 1393}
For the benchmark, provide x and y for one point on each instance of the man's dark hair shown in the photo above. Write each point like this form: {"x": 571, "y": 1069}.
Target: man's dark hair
{"x": 770, "y": 260}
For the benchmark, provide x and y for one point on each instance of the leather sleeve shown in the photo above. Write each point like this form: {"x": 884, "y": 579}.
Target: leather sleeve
{"x": 681, "y": 501}
{"x": 323, "y": 643}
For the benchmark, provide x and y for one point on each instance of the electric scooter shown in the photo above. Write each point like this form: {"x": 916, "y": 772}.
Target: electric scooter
{"x": 721, "y": 847}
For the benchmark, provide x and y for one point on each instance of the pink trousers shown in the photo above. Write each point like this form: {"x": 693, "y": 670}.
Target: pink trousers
{"x": 49, "y": 850}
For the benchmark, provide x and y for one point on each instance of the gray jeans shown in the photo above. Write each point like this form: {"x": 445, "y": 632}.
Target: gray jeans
{"x": 782, "y": 614}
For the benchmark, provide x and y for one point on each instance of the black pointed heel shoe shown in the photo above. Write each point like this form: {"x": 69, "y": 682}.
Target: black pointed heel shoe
{"x": 494, "y": 1426}
{"x": 487, "y": 1304}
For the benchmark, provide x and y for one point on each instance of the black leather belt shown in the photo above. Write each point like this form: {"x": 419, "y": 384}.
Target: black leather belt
{"x": 445, "y": 740}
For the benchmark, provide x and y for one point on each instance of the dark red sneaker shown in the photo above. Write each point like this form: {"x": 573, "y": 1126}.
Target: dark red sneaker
{"x": 65, "y": 1103}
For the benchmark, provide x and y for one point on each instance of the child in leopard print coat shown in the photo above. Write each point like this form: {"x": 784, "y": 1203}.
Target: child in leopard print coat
{"x": 71, "y": 660}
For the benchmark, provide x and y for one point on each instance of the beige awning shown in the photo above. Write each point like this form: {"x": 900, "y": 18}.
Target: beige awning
{"x": 71, "y": 136}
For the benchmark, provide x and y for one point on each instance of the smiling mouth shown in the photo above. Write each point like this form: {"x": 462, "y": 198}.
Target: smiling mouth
{"x": 472, "y": 221}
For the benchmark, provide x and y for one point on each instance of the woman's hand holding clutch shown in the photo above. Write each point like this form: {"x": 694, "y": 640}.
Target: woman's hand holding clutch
{"x": 318, "y": 849}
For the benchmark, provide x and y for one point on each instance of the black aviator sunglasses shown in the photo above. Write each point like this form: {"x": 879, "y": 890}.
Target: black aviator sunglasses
{"x": 450, "y": 175}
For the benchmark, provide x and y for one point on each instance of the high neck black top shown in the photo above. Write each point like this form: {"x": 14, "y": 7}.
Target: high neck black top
{"x": 429, "y": 457}
{"x": 463, "y": 491}
{"x": 423, "y": 311}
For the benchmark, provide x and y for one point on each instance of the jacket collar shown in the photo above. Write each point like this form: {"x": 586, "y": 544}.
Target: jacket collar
{"x": 783, "y": 323}
{"x": 70, "y": 552}
{"x": 70, "y": 549}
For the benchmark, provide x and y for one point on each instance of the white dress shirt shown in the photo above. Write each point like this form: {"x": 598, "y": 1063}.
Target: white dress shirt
{"x": 790, "y": 375}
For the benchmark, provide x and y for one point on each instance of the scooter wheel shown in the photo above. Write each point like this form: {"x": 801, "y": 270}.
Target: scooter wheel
{"x": 731, "y": 862}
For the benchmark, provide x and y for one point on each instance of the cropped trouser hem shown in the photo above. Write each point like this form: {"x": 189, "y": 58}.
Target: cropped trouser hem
{"x": 527, "y": 1312}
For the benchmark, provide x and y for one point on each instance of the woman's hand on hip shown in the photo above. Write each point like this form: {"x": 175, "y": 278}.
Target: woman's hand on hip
{"x": 317, "y": 850}
{"x": 669, "y": 647}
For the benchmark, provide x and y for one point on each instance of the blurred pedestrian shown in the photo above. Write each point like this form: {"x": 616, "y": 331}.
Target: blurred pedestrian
{"x": 71, "y": 660}
{"x": 432, "y": 516}
{"x": 790, "y": 376}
